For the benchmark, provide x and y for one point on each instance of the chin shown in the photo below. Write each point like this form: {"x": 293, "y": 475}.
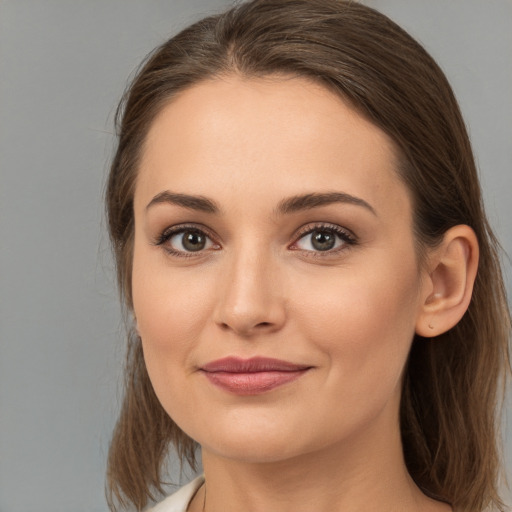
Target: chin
{"x": 247, "y": 449}
{"x": 261, "y": 442}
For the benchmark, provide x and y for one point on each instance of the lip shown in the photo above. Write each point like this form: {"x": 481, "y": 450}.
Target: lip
{"x": 251, "y": 376}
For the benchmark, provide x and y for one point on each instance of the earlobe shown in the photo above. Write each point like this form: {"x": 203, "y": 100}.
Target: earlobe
{"x": 449, "y": 284}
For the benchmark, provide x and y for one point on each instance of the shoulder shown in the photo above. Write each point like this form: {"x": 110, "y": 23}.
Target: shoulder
{"x": 178, "y": 502}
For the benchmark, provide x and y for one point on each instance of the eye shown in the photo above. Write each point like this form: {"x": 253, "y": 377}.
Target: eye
{"x": 184, "y": 241}
{"x": 190, "y": 241}
{"x": 324, "y": 239}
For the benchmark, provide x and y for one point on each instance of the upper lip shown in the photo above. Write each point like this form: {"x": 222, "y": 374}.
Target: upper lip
{"x": 252, "y": 365}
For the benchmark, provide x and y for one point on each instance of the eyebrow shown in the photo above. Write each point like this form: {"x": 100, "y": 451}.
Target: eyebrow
{"x": 286, "y": 206}
{"x": 199, "y": 203}
{"x": 309, "y": 201}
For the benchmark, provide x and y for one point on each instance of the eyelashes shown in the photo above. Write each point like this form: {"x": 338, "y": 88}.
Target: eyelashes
{"x": 186, "y": 240}
{"x": 323, "y": 239}
{"x": 312, "y": 240}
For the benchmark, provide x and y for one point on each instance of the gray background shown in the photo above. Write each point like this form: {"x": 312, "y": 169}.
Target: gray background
{"x": 63, "y": 66}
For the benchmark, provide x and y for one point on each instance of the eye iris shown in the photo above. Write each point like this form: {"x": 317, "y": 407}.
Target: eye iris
{"x": 322, "y": 240}
{"x": 193, "y": 241}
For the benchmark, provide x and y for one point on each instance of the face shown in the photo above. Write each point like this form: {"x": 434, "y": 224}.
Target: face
{"x": 275, "y": 280}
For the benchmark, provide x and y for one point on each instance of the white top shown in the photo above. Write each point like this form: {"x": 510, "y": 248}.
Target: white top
{"x": 180, "y": 500}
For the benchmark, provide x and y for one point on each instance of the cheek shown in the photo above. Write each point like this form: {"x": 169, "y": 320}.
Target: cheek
{"x": 363, "y": 322}
{"x": 170, "y": 308}
{"x": 169, "y": 305}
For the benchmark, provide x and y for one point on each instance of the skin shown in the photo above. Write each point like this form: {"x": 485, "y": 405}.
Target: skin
{"x": 329, "y": 440}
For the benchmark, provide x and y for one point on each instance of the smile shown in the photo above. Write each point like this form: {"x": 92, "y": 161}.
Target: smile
{"x": 251, "y": 376}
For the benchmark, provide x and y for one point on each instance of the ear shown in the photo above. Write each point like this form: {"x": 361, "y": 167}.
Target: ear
{"x": 448, "y": 283}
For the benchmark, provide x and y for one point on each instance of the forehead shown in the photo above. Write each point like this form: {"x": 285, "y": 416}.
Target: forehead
{"x": 289, "y": 134}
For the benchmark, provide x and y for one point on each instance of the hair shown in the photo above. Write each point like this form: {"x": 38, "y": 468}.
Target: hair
{"x": 453, "y": 385}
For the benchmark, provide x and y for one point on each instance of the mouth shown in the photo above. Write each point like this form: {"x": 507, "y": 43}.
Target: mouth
{"x": 252, "y": 376}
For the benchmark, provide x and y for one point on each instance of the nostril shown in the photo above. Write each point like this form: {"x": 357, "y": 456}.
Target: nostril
{"x": 245, "y": 329}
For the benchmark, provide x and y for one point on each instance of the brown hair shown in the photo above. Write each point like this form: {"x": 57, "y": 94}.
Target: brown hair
{"x": 451, "y": 389}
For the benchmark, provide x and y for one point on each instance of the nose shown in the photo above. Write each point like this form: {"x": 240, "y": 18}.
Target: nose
{"x": 251, "y": 300}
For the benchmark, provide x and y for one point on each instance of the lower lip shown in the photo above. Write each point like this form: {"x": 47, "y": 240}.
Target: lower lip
{"x": 253, "y": 383}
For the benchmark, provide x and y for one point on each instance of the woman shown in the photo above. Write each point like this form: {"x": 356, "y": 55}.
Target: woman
{"x": 315, "y": 292}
